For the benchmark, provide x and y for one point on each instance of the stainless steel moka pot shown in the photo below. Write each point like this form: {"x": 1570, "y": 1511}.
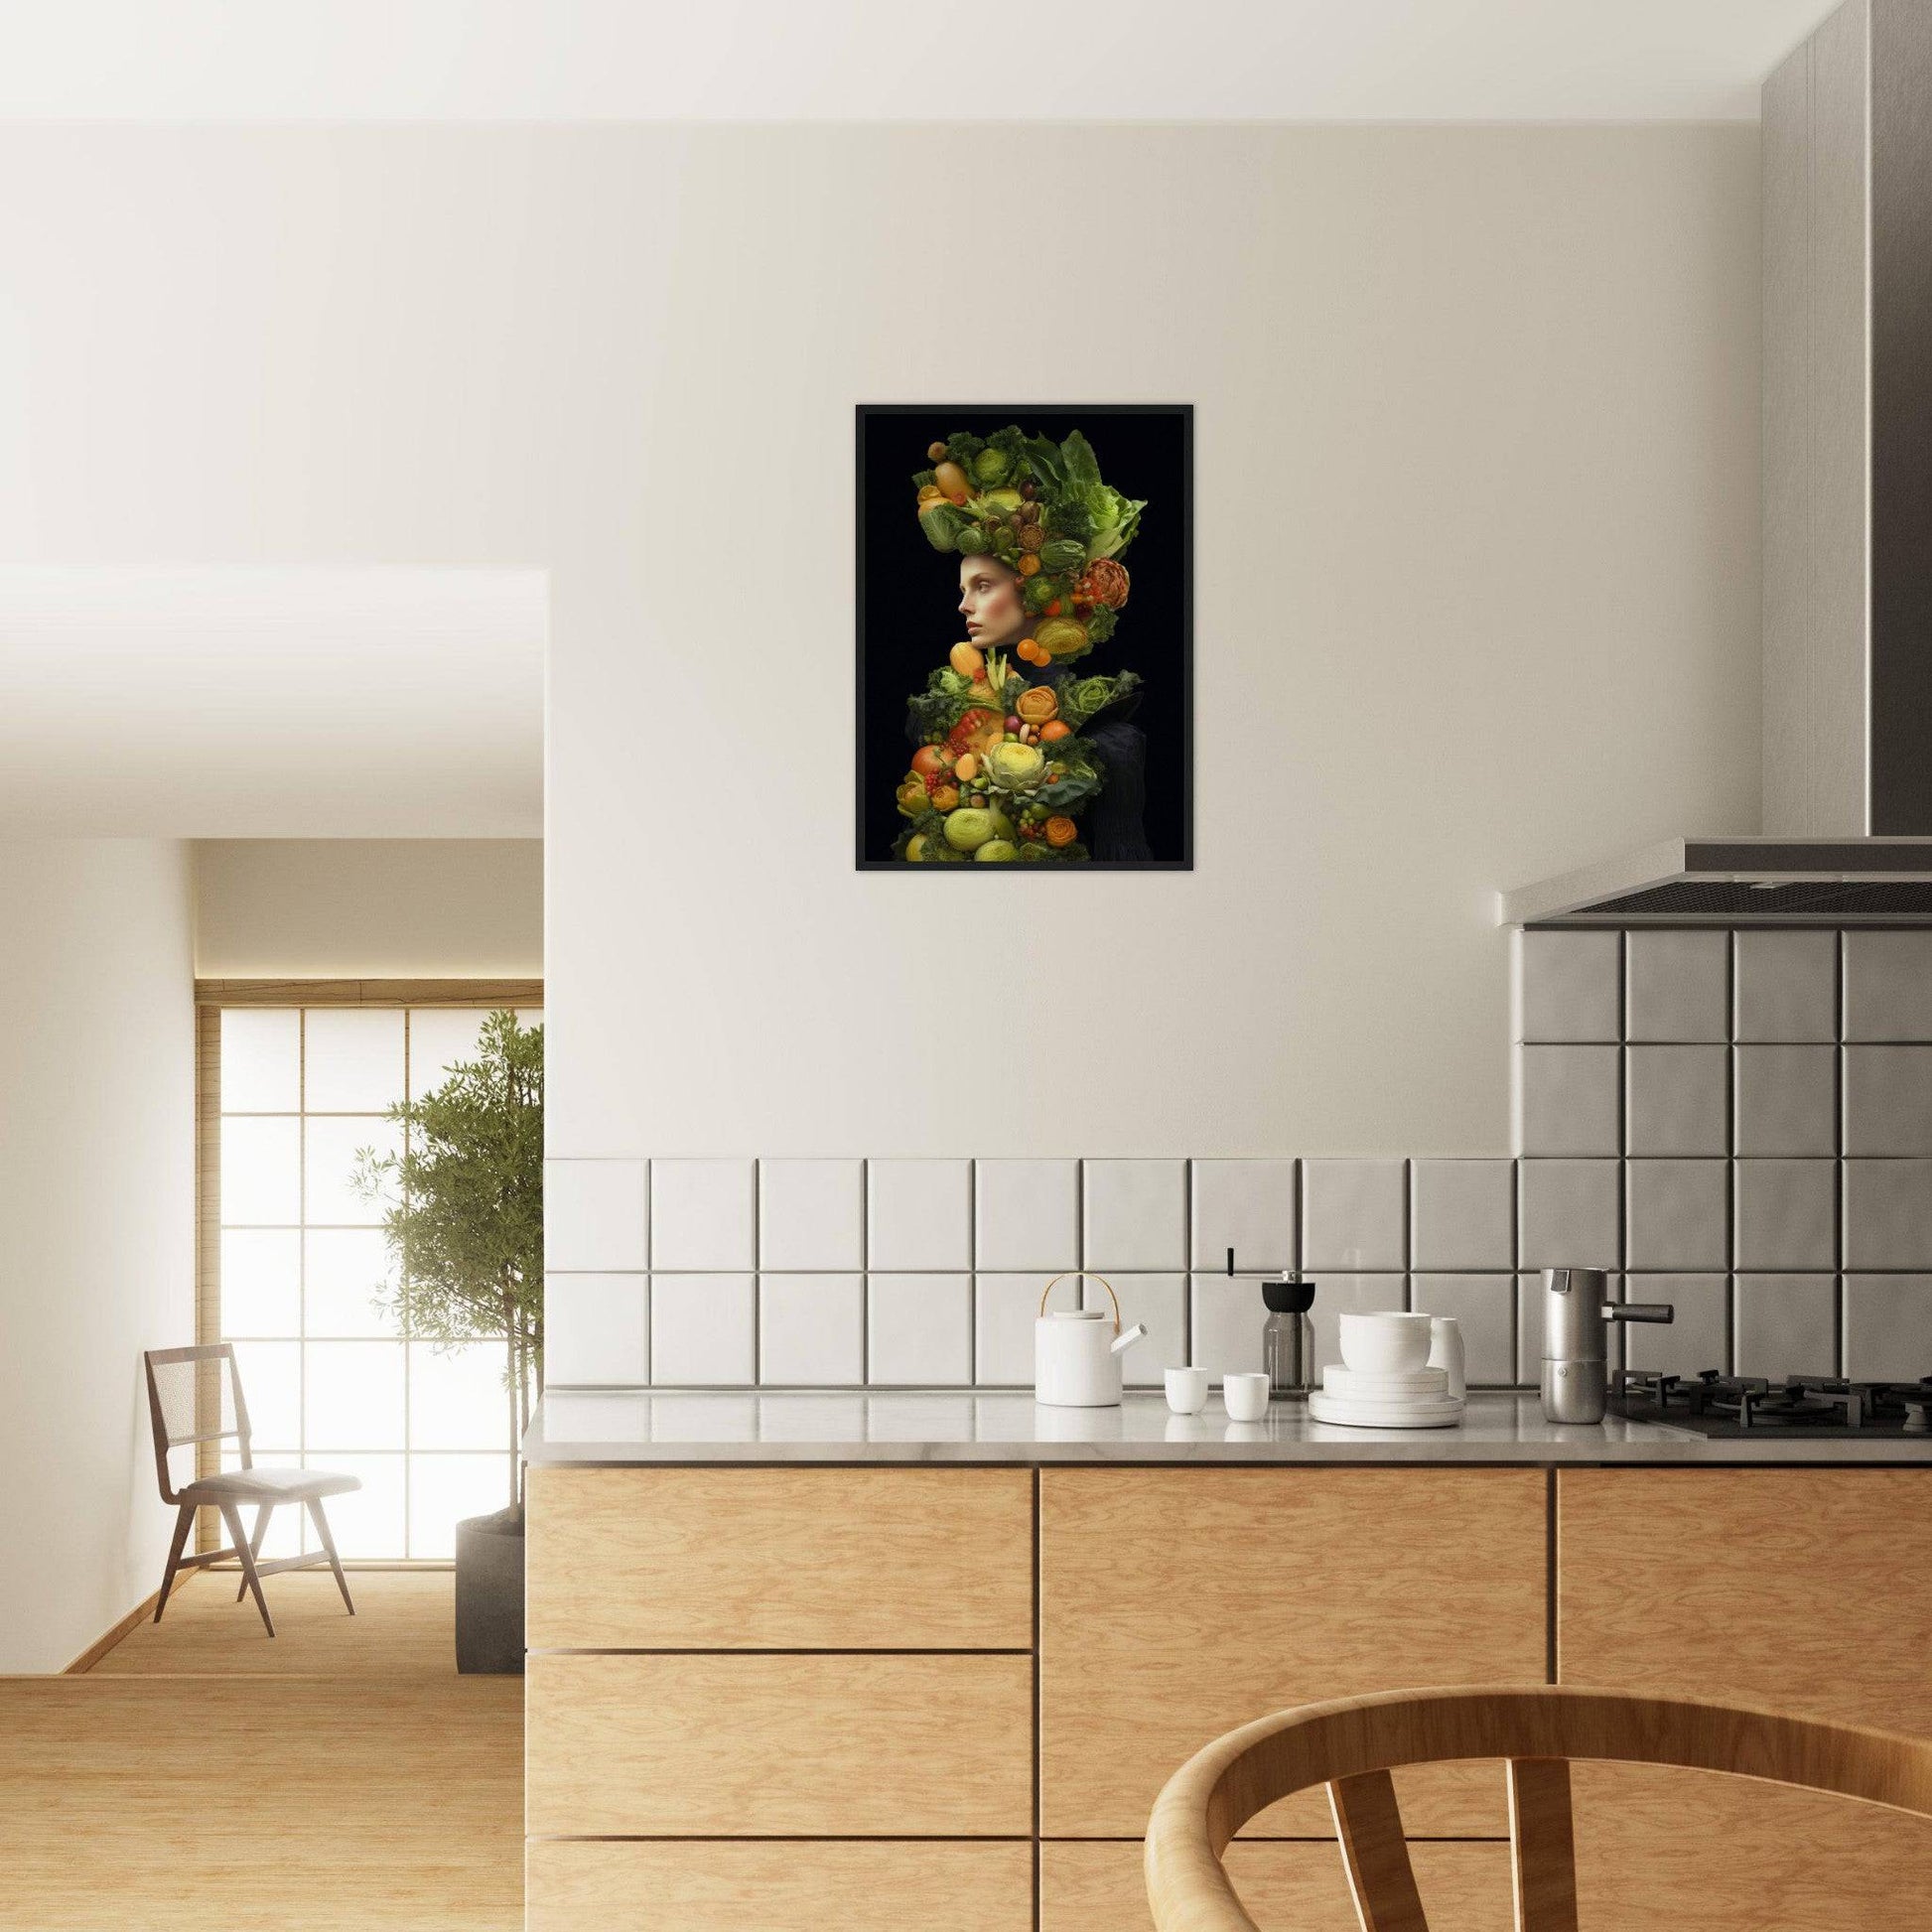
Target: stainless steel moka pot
{"x": 1577, "y": 1316}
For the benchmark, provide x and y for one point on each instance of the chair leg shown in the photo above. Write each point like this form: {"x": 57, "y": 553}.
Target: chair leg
{"x": 184, "y": 1522}
{"x": 232, "y": 1515}
{"x": 329, "y": 1543}
{"x": 255, "y": 1544}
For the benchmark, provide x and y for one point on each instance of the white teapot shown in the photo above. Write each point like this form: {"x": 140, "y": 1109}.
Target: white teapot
{"x": 1077, "y": 1351}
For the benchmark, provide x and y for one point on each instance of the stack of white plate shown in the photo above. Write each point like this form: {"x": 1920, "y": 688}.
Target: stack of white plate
{"x": 1382, "y": 1381}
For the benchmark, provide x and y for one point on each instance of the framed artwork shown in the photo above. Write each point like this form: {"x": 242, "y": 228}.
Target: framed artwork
{"x": 1024, "y": 637}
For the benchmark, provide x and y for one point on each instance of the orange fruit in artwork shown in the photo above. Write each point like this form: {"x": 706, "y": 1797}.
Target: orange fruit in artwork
{"x": 1061, "y": 831}
{"x": 1028, "y": 564}
{"x": 966, "y": 659}
{"x": 1037, "y": 705}
{"x": 1058, "y": 729}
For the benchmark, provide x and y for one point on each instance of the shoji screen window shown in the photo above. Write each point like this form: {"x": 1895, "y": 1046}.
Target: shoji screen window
{"x": 306, "y": 1280}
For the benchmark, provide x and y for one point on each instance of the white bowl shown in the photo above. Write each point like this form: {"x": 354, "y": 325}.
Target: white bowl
{"x": 1383, "y": 1344}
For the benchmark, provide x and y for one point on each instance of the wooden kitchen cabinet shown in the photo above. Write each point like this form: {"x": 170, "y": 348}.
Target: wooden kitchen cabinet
{"x": 798, "y": 1745}
{"x": 1290, "y": 1884}
{"x": 1808, "y": 1590}
{"x": 723, "y": 1558}
{"x": 1177, "y": 1603}
{"x": 889, "y": 1885}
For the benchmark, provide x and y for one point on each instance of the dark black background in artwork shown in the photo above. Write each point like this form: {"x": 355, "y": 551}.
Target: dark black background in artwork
{"x": 908, "y": 598}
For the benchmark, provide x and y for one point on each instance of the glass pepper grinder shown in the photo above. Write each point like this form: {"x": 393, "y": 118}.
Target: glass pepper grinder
{"x": 1288, "y": 1336}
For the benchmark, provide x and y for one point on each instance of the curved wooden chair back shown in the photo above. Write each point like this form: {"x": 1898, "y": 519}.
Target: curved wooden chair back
{"x": 1351, "y": 1746}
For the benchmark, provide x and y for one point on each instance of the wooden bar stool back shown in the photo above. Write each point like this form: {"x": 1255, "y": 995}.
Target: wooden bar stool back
{"x": 1351, "y": 1746}
{"x": 194, "y": 1395}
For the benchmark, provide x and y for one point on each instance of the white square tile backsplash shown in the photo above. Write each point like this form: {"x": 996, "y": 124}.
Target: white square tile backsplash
{"x": 812, "y": 1331}
{"x": 1161, "y": 1302}
{"x": 1888, "y": 1100}
{"x": 1677, "y": 1101}
{"x": 1676, "y": 985}
{"x": 1765, "y": 1162}
{"x": 1887, "y": 985}
{"x": 596, "y": 1330}
{"x": 1567, "y": 986}
{"x": 1698, "y": 1335}
{"x": 1484, "y": 1307}
{"x": 920, "y": 1329}
{"x": 1226, "y": 1318}
{"x": 1677, "y": 1215}
{"x": 703, "y": 1329}
{"x": 703, "y": 1214}
{"x": 1784, "y": 986}
{"x": 1354, "y": 1215}
{"x": 811, "y": 1214}
{"x": 1246, "y": 1205}
{"x": 1785, "y": 1325}
{"x": 596, "y": 1215}
{"x": 1888, "y": 1214}
{"x": 919, "y": 1216}
{"x": 1567, "y": 1100}
{"x": 1463, "y": 1214}
{"x": 1887, "y": 1327}
{"x": 1136, "y": 1214}
{"x": 1004, "y": 1308}
{"x": 1026, "y": 1214}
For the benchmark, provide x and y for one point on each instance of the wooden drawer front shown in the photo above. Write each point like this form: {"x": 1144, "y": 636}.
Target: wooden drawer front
{"x": 1175, "y": 1605}
{"x": 1703, "y": 1853}
{"x": 880, "y": 1886}
{"x": 1806, "y": 1589}
{"x": 770, "y": 1747}
{"x": 780, "y": 1558}
{"x": 1083, "y": 1887}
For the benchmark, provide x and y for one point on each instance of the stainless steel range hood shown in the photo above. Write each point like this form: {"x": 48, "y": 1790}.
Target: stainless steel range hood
{"x": 1847, "y": 803}
{"x": 1735, "y": 882}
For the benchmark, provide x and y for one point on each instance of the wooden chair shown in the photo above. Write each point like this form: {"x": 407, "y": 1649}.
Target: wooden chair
{"x": 1352, "y": 1745}
{"x": 194, "y": 1395}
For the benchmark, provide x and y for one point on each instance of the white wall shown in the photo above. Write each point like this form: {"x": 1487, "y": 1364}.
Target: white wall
{"x": 1476, "y": 552}
{"x": 96, "y": 1225}
{"x": 392, "y": 909}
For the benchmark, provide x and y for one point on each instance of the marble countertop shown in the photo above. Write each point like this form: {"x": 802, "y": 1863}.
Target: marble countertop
{"x": 1009, "y": 1427}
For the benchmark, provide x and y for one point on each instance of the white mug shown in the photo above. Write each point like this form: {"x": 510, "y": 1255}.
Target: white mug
{"x": 1186, "y": 1391}
{"x": 1446, "y": 1352}
{"x": 1246, "y": 1395}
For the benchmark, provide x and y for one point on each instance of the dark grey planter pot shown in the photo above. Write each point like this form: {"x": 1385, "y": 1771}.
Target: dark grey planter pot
{"x": 489, "y": 1595}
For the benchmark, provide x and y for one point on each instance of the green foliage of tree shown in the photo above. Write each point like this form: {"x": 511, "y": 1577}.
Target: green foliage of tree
{"x": 463, "y": 1206}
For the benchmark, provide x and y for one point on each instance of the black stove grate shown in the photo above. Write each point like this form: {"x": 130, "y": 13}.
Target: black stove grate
{"x": 1811, "y": 1404}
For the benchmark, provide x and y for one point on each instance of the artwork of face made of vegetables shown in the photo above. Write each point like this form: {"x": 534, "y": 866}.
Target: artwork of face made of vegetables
{"x": 1039, "y": 737}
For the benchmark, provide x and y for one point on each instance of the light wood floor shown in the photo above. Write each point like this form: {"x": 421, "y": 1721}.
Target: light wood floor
{"x": 340, "y": 1779}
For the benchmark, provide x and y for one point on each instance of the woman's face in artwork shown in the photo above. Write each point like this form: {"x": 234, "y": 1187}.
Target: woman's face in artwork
{"x": 988, "y": 601}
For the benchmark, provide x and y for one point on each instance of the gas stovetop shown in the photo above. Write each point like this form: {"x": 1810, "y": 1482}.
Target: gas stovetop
{"x": 1714, "y": 1404}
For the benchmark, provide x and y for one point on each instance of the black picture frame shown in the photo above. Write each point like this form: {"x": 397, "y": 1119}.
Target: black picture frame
{"x": 871, "y": 780}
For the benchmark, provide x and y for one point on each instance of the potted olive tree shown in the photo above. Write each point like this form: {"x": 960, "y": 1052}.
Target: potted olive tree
{"x": 463, "y": 1214}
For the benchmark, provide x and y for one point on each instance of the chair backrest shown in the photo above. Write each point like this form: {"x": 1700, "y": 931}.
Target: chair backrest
{"x": 194, "y": 1396}
{"x": 1352, "y": 1745}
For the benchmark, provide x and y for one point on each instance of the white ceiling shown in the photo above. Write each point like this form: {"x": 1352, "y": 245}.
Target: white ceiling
{"x": 271, "y": 703}
{"x": 894, "y": 60}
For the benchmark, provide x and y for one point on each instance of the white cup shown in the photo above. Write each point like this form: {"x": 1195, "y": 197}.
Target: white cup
{"x": 1186, "y": 1391}
{"x": 1446, "y": 1352}
{"x": 1246, "y": 1395}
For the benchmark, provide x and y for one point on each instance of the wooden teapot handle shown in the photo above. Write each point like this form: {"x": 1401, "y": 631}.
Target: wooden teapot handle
{"x": 1082, "y": 1275}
